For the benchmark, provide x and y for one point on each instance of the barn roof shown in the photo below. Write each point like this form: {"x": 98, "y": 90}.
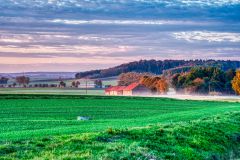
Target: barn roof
{"x": 115, "y": 88}
{"x": 121, "y": 88}
{"x": 131, "y": 86}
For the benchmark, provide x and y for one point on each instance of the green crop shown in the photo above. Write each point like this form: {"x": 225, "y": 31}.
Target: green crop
{"x": 26, "y": 116}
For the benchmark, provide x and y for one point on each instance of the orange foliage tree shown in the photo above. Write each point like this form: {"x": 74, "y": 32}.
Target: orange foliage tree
{"x": 162, "y": 86}
{"x": 155, "y": 84}
{"x": 236, "y": 83}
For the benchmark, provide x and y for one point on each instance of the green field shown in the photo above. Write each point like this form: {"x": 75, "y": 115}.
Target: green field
{"x": 22, "y": 117}
{"x": 51, "y": 91}
{"x": 25, "y": 118}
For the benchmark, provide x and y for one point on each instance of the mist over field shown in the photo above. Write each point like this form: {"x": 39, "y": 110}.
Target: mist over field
{"x": 202, "y": 97}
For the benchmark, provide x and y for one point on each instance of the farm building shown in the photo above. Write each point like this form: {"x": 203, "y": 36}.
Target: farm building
{"x": 131, "y": 90}
{"x": 114, "y": 91}
{"x": 136, "y": 89}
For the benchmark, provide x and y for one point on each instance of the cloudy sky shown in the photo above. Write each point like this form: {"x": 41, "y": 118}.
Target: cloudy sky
{"x": 78, "y": 35}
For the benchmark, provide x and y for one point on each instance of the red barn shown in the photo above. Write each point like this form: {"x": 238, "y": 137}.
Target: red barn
{"x": 131, "y": 90}
{"x": 135, "y": 89}
{"x": 114, "y": 91}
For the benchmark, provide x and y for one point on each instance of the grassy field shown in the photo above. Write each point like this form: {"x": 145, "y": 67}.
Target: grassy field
{"x": 46, "y": 126}
{"x": 51, "y": 91}
{"x": 212, "y": 138}
{"x": 39, "y": 115}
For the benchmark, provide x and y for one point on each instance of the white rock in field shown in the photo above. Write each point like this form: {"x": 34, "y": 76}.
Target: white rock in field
{"x": 80, "y": 118}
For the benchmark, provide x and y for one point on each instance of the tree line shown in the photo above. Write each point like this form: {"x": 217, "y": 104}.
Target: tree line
{"x": 20, "y": 80}
{"x": 198, "y": 80}
{"x": 158, "y": 67}
{"x": 24, "y": 81}
{"x": 204, "y": 80}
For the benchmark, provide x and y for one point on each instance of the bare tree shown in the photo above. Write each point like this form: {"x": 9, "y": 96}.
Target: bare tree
{"x": 77, "y": 84}
{"x": 62, "y": 84}
{"x": 23, "y": 80}
{"x": 130, "y": 77}
{"x": 98, "y": 83}
{"x": 73, "y": 84}
{"x": 3, "y": 80}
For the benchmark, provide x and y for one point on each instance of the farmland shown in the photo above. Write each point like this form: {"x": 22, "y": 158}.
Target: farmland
{"x": 118, "y": 121}
{"x": 51, "y": 91}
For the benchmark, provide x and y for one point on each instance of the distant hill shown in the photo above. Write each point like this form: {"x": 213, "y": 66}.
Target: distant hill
{"x": 158, "y": 67}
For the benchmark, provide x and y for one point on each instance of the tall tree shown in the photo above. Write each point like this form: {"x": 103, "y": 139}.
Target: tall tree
{"x": 236, "y": 83}
{"x": 77, "y": 84}
{"x": 230, "y": 74}
{"x": 3, "y": 80}
{"x": 98, "y": 83}
{"x": 22, "y": 80}
{"x": 155, "y": 84}
{"x": 73, "y": 84}
{"x": 162, "y": 86}
{"x": 62, "y": 84}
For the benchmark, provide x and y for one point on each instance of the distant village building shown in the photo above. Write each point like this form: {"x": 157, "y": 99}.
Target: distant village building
{"x": 89, "y": 85}
{"x": 131, "y": 90}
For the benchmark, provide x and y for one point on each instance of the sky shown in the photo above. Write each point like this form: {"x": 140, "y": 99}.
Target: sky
{"x": 80, "y": 35}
